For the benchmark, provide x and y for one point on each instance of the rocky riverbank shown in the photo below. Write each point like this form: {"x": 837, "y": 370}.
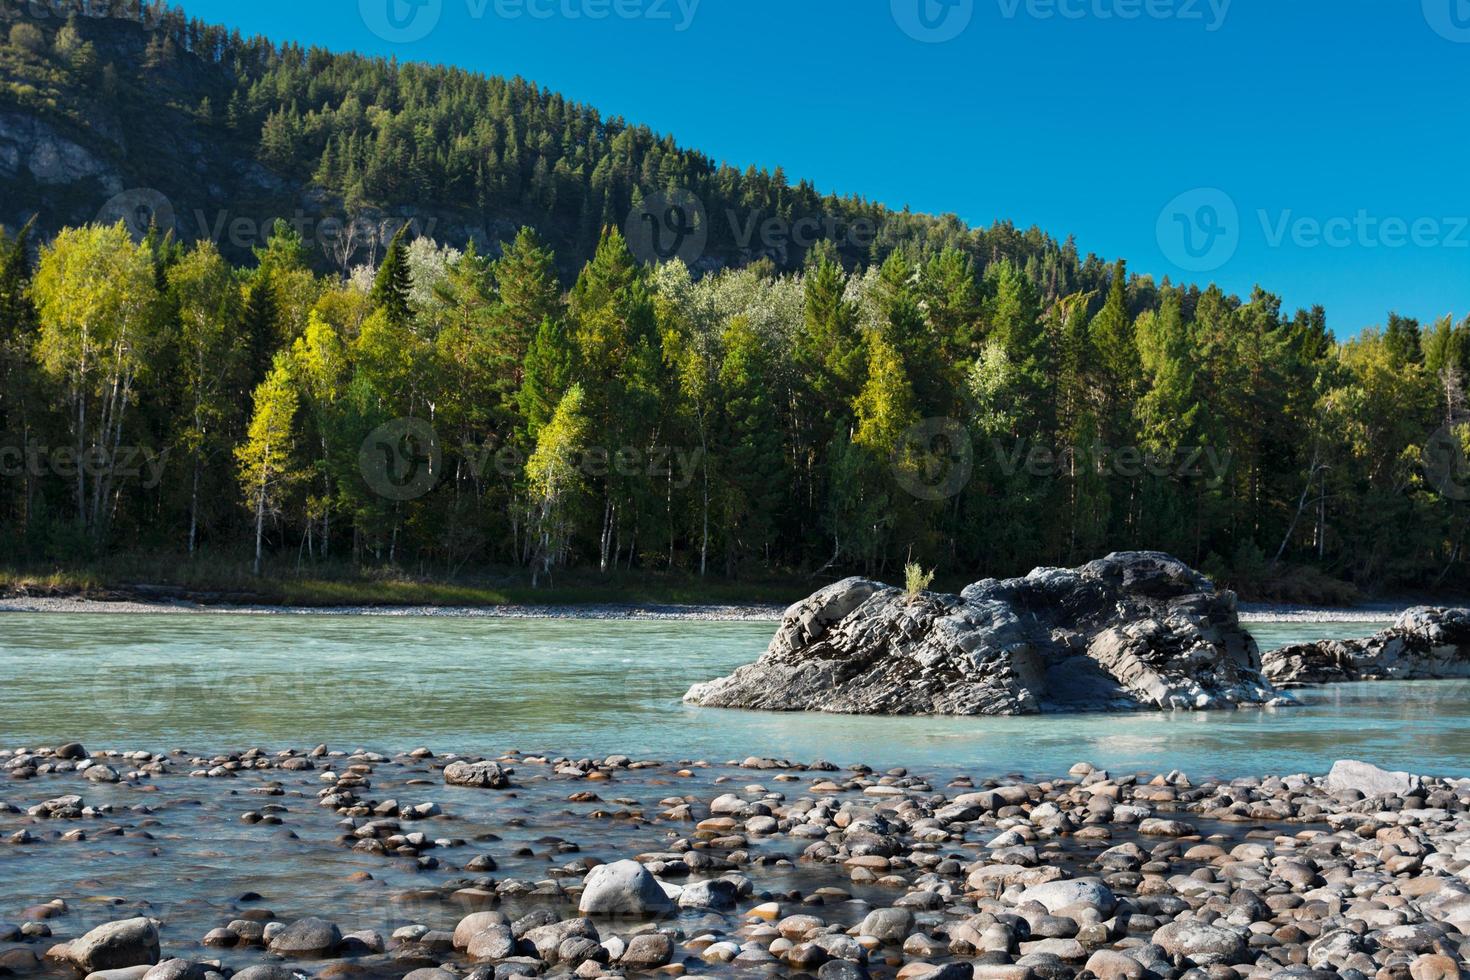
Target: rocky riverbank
{"x": 1132, "y": 631}
{"x": 125, "y": 866}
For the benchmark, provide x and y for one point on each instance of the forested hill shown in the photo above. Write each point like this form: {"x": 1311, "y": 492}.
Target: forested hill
{"x": 234, "y": 131}
{"x": 180, "y": 374}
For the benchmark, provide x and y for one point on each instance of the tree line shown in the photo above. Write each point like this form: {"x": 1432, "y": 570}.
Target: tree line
{"x": 927, "y": 407}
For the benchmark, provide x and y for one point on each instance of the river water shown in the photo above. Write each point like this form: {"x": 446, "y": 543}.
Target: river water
{"x": 221, "y": 682}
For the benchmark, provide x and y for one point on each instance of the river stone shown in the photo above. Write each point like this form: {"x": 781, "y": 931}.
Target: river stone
{"x": 1108, "y": 964}
{"x": 889, "y": 925}
{"x": 548, "y": 939}
{"x": 473, "y": 923}
{"x": 1135, "y": 630}
{"x": 100, "y": 773}
{"x": 477, "y": 775}
{"x": 1432, "y": 966}
{"x": 130, "y": 942}
{"x": 1057, "y": 895}
{"x": 177, "y": 969}
{"x": 1202, "y": 944}
{"x": 1369, "y": 780}
{"x": 306, "y": 937}
{"x": 623, "y": 888}
{"x": 491, "y": 943}
{"x": 265, "y": 971}
{"x": 714, "y": 894}
{"x": 648, "y": 951}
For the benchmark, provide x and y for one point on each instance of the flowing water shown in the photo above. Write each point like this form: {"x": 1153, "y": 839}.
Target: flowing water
{"x": 220, "y": 682}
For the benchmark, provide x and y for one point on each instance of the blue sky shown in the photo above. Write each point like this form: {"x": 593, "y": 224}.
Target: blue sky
{"x": 1318, "y": 147}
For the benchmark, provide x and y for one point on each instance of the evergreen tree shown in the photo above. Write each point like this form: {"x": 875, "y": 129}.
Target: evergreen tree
{"x": 393, "y": 284}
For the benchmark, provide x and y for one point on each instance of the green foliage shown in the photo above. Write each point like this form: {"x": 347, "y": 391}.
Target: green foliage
{"x": 593, "y": 410}
{"x": 916, "y": 580}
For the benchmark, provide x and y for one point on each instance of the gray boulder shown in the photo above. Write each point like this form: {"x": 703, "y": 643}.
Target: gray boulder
{"x": 1425, "y": 643}
{"x": 1058, "y": 895}
{"x": 129, "y": 942}
{"x": 307, "y": 937}
{"x": 648, "y": 951}
{"x": 623, "y": 888}
{"x": 1202, "y": 944}
{"x": 1369, "y": 780}
{"x": 891, "y": 925}
{"x": 1135, "y": 630}
{"x": 265, "y": 971}
{"x": 477, "y": 775}
{"x": 177, "y": 970}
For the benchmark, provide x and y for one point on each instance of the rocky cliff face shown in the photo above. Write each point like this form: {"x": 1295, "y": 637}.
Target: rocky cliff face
{"x": 1425, "y": 643}
{"x": 1133, "y": 631}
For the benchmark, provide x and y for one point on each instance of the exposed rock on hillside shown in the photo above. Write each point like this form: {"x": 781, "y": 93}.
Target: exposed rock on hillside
{"x": 1133, "y": 631}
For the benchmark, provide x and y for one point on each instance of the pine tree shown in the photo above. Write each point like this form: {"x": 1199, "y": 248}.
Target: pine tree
{"x": 393, "y": 284}
{"x": 528, "y": 293}
{"x": 754, "y": 465}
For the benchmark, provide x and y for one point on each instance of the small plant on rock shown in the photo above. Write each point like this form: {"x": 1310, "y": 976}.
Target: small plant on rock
{"x": 916, "y": 580}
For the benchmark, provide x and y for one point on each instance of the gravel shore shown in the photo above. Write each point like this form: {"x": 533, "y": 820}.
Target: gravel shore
{"x": 267, "y": 865}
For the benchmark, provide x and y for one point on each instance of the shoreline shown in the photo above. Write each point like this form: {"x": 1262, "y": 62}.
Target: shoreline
{"x": 1250, "y": 612}
{"x": 629, "y": 612}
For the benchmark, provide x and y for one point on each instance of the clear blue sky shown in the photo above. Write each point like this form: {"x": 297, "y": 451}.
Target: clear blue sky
{"x": 1085, "y": 117}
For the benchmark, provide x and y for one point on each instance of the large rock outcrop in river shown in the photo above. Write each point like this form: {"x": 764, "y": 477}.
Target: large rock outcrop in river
{"x": 1423, "y": 644}
{"x": 1133, "y": 631}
